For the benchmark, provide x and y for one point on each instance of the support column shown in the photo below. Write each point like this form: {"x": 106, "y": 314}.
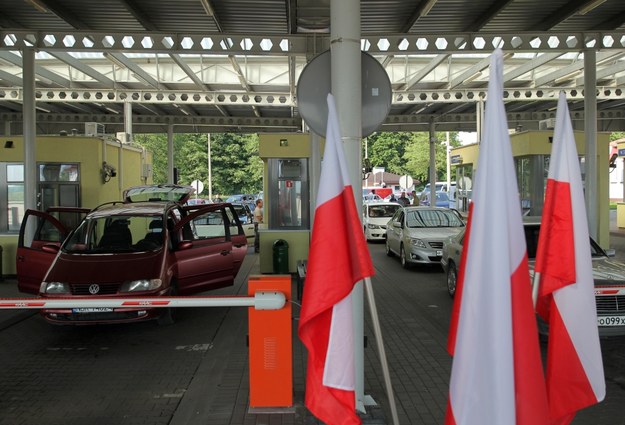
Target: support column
{"x": 433, "y": 142}
{"x": 170, "y": 154}
{"x": 590, "y": 126}
{"x": 210, "y": 170}
{"x": 315, "y": 172}
{"x": 29, "y": 129}
{"x": 346, "y": 76}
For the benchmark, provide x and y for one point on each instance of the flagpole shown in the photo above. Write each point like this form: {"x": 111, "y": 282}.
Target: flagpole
{"x": 535, "y": 286}
{"x": 377, "y": 330}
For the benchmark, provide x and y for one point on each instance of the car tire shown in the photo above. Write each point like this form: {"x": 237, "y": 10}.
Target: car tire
{"x": 168, "y": 316}
{"x": 388, "y": 248}
{"x": 402, "y": 256}
{"x": 452, "y": 279}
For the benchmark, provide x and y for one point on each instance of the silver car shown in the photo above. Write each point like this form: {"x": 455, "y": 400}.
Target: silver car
{"x": 609, "y": 276}
{"x": 417, "y": 234}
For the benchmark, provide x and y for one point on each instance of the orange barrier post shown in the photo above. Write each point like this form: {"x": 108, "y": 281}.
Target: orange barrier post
{"x": 270, "y": 346}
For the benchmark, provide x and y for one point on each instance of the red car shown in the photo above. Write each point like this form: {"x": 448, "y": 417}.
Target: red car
{"x": 148, "y": 245}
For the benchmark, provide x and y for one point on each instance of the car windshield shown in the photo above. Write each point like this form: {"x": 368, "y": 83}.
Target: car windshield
{"x": 432, "y": 218}
{"x": 376, "y": 211}
{"x": 116, "y": 234}
{"x": 531, "y": 239}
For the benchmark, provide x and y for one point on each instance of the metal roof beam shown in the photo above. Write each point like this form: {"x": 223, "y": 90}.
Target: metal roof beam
{"x": 62, "y": 13}
{"x": 139, "y": 15}
{"x": 198, "y": 82}
{"x": 13, "y": 79}
{"x": 120, "y": 59}
{"x": 469, "y": 73}
{"x": 573, "y": 68}
{"x": 424, "y": 72}
{"x": 85, "y": 69}
{"x": 562, "y": 14}
{"x": 530, "y": 65}
{"x": 488, "y": 14}
{"x": 605, "y": 72}
{"x": 303, "y": 45}
{"x": 39, "y": 70}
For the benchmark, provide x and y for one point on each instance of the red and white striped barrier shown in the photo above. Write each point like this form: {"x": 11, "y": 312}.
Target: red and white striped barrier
{"x": 264, "y": 300}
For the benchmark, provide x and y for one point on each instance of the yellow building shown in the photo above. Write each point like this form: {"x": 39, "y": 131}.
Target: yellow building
{"x": 531, "y": 151}
{"x": 71, "y": 171}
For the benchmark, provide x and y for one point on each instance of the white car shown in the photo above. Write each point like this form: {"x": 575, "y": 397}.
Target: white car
{"x": 375, "y": 215}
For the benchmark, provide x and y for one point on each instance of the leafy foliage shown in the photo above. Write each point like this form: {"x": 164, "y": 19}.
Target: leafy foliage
{"x": 235, "y": 164}
{"x": 409, "y": 153}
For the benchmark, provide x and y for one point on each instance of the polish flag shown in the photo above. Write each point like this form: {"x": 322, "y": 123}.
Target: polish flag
{"x": 338, "y": 258}
{"x": 566, "y": 300}
{"x": 497, "y": 376}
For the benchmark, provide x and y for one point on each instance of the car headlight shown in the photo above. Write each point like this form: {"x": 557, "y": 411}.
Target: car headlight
{"x": 418, "y": 243}
{"x": 373, "y": 226}
{"x": 140, "y": 285}
{"x": 55, "y": 288}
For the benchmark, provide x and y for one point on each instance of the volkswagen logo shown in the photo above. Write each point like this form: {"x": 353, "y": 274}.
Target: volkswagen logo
{"x": 94, "y": 289}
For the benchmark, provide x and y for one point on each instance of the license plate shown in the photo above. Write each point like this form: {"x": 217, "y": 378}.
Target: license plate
{"x": 92, "y": 310}
{"x": 611, "y": 320}
{"x": 439, "y": 252}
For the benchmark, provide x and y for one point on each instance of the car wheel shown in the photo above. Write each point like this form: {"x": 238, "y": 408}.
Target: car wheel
{"x": 388, "y": 248}
{"x": 402, "y": 255}
{"x": 452, "y": 279}
{"x": 168, "y": 316}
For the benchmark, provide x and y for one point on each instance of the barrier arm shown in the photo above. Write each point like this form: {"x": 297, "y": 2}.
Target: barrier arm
{"x": 261, "y": 300}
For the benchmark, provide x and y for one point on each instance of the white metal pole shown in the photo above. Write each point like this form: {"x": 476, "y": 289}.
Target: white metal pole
{"x": 590, "y": 125}
{"x": 210, "y": 172}
{"x": 170, "y": 153}
{"x": 447, "y": 149}
{"x": 377, "y": 330}
{"x": 433, "y": 143}
{"x": 29, "y": 129}
{"x": 346, "y": 76}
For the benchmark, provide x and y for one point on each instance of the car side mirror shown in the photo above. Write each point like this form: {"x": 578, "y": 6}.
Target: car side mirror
{"x": 396, "y": 224}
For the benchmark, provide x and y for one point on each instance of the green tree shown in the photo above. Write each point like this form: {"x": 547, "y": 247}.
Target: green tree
{"x": 235, "y": 164}
{"x": 156, "y": 144}
{"x": 409, "y": 153}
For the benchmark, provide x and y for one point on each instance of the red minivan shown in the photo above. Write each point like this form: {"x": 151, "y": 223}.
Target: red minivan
{"x": 150, "y": 244}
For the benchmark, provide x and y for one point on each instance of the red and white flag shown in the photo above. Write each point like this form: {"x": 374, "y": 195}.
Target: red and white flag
{"x": 497, "y": 376}
{"x": 566, "y": 300}
{"x": 338, "y": 258}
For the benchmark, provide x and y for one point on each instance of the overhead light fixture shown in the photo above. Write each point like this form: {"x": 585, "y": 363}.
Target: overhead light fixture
{"x": 590, "y": 6}
{"x": 37, "y": 4}
{"x": 208, "y": 7}
{"x": 47, "y": 111}
{"x": 428, "y": 6}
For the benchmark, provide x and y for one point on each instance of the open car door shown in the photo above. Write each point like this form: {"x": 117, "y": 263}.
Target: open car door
{"x": 40, "y": 238}
{"x": 212, "y": 248}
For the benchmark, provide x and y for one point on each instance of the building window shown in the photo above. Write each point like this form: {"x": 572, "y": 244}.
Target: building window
{"x": 11, "y": 195}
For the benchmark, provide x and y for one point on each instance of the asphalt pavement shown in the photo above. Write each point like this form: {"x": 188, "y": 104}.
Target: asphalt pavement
{"x": 414, "y": 315}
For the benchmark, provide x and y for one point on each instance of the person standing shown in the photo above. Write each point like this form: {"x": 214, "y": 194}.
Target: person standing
{"x": 415, "y": 199}
{"x": 258, "y": 219}
{"x": 403, "y": 200}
